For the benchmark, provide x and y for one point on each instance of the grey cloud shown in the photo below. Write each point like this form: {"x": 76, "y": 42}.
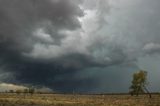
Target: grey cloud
{"x": 19, "y": 19}
{"x": 19, "y": 22}
{"x": 152, "y": 48}
{"x": 77, "y": 45}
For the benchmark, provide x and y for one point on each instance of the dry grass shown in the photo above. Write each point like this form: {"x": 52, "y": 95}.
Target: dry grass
{"x": 77, "y": 100}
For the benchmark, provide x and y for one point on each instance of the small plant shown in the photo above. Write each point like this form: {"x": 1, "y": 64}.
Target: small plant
{"x": 25, "y": 91}
{"x": 11, "y": 91}
{"x": 31, "y": 90}
{"x": 18, "y": 91}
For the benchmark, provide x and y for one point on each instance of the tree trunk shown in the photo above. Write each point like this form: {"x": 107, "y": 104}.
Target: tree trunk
{"x": 150, "y": 96}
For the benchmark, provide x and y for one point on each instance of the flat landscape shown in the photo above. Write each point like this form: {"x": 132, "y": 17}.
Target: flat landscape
{"x": 77, "y": 100}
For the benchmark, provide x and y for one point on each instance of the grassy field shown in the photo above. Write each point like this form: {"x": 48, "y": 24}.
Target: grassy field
{"x": 77, "y": 100}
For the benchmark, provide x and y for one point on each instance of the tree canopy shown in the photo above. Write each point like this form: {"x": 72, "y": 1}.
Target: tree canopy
{"x": 139, "y": 83}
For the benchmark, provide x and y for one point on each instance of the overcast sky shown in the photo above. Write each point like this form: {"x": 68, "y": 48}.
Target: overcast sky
{"x": 79, "y": 45}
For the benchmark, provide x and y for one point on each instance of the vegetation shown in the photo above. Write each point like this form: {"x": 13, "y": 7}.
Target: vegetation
{"x": 12, "y": 99}
{"x": 31, "y": 91}
{"x": 139, "y": 83}
{"x": 11, "y": 91}
{"x": 20, "y": 91}
{"x": 25, "y": 91}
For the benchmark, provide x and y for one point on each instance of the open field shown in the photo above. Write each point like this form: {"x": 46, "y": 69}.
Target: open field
{"x": 77, "y": 100}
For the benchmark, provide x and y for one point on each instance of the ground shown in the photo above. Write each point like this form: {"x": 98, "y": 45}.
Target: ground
{"x": 77, "y": 100}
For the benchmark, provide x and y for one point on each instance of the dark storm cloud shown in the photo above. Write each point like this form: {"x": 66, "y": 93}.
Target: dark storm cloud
{"x": 19, "y": 19}
{"x": 75, "y": 45}
{"x": 28, "y": 23}
{"x": 53, "y": 74}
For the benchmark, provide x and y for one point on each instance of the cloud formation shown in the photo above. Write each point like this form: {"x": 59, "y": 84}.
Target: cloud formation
{"x": 76, "y": 44}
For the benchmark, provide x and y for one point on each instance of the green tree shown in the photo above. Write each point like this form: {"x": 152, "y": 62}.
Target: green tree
{"x": 139, "y": 83}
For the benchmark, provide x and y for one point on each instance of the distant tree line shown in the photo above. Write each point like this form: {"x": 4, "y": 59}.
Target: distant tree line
{"x": 19, "y": 91}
